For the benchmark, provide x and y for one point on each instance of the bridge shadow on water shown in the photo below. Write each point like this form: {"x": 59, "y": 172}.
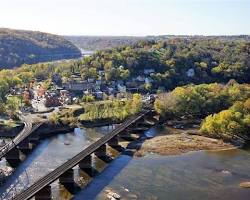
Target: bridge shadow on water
{"x": 99, "y": 182}
{"x": 104, "y": 178}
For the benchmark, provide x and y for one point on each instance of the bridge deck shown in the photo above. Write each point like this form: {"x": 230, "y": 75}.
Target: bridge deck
{"x": 27, "y": 130}
{"x": 54, "y": 175}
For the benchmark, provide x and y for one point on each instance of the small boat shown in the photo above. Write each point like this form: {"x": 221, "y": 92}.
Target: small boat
{"x": 66, "y": 143}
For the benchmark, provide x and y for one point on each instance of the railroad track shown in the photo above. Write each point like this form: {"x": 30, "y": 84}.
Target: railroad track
{"x": 27, "y": 130}
{"x": 54, "y": 175}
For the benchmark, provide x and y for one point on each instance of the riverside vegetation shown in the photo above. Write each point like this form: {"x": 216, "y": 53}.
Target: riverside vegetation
{"x": 231, "y": 102}
{"x": 209, "y": 59}
{"x": 110, "y": 111}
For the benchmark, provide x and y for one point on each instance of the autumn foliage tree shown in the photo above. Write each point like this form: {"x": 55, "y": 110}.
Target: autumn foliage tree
{"x": 227, "y": 123}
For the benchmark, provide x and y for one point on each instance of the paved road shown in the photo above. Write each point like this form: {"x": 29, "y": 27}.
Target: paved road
{"x": 22, "y": 135}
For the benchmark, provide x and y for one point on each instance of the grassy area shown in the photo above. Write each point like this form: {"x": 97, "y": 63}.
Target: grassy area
{"x": 8, "y": 123}
{"x": 109, "y": 110}
{"x": 114, "y": 110}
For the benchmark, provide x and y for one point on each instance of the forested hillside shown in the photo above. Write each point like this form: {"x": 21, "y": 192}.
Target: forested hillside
{"x": 18, "y": 47}
{"x": 168, "y": 64}
{"x": 174, "y": 62}
{"x": 94, "y": 43}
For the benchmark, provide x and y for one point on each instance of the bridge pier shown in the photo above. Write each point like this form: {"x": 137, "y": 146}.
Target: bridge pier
{"x": 13, "y": 157}
{"x": 44, "y": 194}
{"x": 126, "y": 136}
{"x": 67, "y": 179}
{"x": 86, "y": 165}
{"x": 152, "y": 120}
{"x": 114, "y": 142}
{"x": 144, "y": 124}
{"x": 101, "y": 152}
{"x": 24, "y": 146}
{"x": 34, "y": 139}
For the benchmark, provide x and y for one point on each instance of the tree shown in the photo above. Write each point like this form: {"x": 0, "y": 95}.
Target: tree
{"x": 13, "y": 105}
{"x": 136, "y": 105}
{"x": 88, "y": 98}
{"x": 227, "y": 123}
{"x": 25, "y": 77}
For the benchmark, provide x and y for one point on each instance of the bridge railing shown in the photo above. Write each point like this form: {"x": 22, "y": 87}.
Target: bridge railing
{"x": 20, "y": 137}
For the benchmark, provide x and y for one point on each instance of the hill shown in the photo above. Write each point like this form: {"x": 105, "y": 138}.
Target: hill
{"x": 18, "y": 47}
{"x": 94, "y": 43}
{"x": 174, "y": 62}
{"x": 158, "y": 64}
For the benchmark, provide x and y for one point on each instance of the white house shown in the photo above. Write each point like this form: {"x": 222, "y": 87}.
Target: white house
{"x": 148, "y": 71}
{"x": 148, "y": 80}
{"x": 91, "y": 80}
{"x": 121, "y": 88}
{"x": 140, "y": 78}
{"x": 190, "y": 72}
{"x": 101, "y": 72}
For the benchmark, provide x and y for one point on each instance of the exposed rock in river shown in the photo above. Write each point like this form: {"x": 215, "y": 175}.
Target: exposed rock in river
{"x": 111, "y": 195}
{"x": 180, "y": 143}
{"x": 245, "y": 184}
{"x": 5, "y": 172}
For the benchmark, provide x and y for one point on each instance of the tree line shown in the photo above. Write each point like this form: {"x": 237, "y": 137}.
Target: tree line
{"x": 209, "y": 59}
{"x": 230, "y": 101}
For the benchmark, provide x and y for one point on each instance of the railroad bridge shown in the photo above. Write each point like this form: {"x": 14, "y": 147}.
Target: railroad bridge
{"x": 23, "y": 142}
{"x": 41, "y": 189}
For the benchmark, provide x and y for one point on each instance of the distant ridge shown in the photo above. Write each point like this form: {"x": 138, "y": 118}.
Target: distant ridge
{"x": 94, "y": 43}
{"x": 20, "y": 46}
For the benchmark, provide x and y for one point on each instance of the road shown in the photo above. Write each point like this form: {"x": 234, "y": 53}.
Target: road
{"x": 22, "y": 135}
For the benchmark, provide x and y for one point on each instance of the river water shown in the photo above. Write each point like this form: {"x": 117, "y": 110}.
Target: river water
{"x": 202, "y": 175}
{"x": 48, "y": 155}
{"x": 192, "y": 176}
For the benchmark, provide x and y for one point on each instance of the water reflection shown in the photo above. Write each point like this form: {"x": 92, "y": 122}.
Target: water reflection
{"x": 48, "y": 155}
{"x": 200, "y": 175}
{"x": 206, "y": 175}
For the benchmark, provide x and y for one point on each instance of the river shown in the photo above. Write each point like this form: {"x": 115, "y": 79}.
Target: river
{"x": 192, "y": 176}
{"x": 48, "y": 155}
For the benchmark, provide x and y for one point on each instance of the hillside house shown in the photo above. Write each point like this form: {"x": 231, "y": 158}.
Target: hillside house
{"x": 52, "y": 100}
{"x": 76, "y": 86}
{"x": 101, "y": 73}
{"x": 121, "y": 88}
{"x": 26, "y": 96}
{"x": 56, "y": 79}
{"x": 190, "y": 73}
{"x": 148, "y": 71}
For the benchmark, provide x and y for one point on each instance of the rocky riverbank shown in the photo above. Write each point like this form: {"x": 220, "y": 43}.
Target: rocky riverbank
{"x": 4, "y": 173}
{"x": 48, "y": 129}
{"x": 178, "y": 143}
{"x": 10, "y": 131}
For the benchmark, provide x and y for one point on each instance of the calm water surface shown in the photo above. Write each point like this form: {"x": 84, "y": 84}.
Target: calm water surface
{"x": 48, "y": 155}
{"x": 191, "y": 176}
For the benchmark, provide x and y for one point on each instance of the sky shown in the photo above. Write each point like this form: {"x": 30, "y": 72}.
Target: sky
{"x": 128, "y": 17}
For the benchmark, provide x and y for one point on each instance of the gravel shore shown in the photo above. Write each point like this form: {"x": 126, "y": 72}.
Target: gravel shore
{"x": 176, "y": 144}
